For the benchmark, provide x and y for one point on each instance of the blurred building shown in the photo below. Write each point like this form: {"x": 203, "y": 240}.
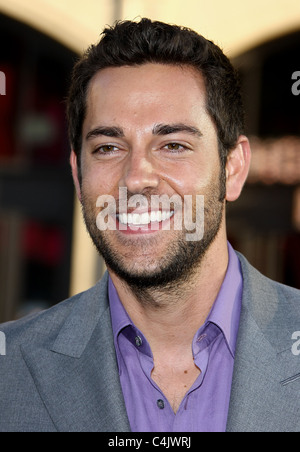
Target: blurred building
{"x": 36, "y": 191}
{"x": 265, "y": 222}
{"x": 45, "y": 253}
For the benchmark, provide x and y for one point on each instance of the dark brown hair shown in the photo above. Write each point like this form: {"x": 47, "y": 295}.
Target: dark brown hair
{"x": 135, "y": 43}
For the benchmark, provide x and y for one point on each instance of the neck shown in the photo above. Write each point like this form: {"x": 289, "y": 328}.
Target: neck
{"x": 175, "y": 315}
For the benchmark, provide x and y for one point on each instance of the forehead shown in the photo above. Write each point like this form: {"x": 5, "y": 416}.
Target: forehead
{"x": 157, "y": 73}
{"x": 147, "y": 89}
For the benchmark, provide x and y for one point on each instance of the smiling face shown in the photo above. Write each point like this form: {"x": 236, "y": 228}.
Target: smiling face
{"x": 147, "y": 130}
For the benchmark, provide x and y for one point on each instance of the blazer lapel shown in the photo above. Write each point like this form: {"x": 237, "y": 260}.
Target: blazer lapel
{"x": 77, "y": 376}
{"x": 261, "y": 398}
{"x": 254, "y": 380}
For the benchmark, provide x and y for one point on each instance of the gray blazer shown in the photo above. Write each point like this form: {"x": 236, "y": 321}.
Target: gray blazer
{"x": 60, "y": 371}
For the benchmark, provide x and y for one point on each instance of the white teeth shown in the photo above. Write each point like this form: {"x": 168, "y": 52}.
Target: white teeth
{"x": 136, "y": 218}
{"x": 145, "y": 218}
{"x": 153, "y": 217}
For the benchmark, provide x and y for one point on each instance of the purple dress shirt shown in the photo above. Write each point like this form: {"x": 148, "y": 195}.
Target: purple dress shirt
{"x": 205, "y": 406}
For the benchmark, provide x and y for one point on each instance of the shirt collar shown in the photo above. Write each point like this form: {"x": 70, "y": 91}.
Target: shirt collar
{"x": 225, "y": 313}
{"x": 121, "y": 322}
{"x": 119, "y": 317}
{"x": 226, "y": 309}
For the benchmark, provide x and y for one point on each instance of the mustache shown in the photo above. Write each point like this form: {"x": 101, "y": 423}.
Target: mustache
{"x": 127, "y": 202}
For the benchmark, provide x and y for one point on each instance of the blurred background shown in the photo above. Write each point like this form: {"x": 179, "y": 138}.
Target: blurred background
{"x": 45, "y": 253}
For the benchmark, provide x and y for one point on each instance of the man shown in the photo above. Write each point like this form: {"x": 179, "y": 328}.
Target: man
{"x": 182, "y": 334}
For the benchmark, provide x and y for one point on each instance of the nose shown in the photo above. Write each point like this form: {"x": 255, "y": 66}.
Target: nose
{"x": 139, "y": 173}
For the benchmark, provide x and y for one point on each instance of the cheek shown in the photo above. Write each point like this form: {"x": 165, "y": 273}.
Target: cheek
{"x": 189, "y": 181}
{"x": 195, "y": 175}
{"x": 98, "y": 179}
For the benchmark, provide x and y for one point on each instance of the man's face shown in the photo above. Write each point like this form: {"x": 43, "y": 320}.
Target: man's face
{"x": 147, "y": 130}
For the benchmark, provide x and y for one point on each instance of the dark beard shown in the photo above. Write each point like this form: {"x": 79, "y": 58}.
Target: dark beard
{"x": 181, "y": 261}
{"x": 182, "y": 258}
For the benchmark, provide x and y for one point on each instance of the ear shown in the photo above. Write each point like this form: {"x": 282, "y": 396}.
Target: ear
{"x": 75, "y": 174}
{"x": 237, "y": 168}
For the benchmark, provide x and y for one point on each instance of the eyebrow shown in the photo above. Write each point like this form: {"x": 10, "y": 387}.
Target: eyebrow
{"x": 158, "y": 129}
{"x": 168, "y": 129}
{"x": 113, "y": 132}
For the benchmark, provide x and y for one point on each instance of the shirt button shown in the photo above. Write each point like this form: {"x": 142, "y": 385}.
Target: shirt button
{"x": 160, "y": 404}
{"x": 138, "y": 341}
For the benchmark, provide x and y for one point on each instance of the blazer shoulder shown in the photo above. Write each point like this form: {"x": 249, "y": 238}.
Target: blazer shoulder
{"x": 259, "y": 284}
{"x": 34, "y": 326}
{"x": 46, "y": 325}
{"x": 274, "y": 306}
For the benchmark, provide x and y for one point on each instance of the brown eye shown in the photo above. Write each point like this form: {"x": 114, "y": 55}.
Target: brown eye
{"x": 107, "y": 148}
{"x": 174, "y": 147}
